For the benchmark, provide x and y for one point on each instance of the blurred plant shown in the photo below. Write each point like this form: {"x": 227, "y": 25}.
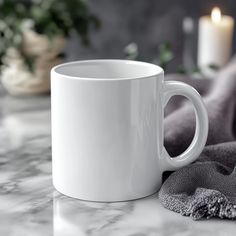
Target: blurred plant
{"x": 165, "y": 56}
{"x": 131, "y": 51}
{"x": 214, "y": 67}
{"x": 46, "y": 17}
{"x": 196, "y": 70}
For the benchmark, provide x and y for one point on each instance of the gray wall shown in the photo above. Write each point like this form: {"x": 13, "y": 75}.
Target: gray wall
{"x": 146, "y": 22}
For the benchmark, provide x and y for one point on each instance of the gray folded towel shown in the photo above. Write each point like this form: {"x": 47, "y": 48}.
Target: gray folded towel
{"x": 206, "y": 188}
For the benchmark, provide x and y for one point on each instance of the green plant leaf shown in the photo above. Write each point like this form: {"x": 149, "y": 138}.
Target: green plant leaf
{"x": 48, "y": 17}
{"x": 214, "y": 67}
{"x": 165, "y": 54}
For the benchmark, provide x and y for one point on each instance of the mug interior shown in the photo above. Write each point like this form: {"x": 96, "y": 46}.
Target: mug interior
{"x": 107, "y": 69}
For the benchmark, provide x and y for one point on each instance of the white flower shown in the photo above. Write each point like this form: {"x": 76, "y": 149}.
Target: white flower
{"x": 27, "y": 24}
{"x": 131, "y": 48}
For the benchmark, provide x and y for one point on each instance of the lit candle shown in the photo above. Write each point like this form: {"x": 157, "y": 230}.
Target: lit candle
{"x": 214, "y": 40}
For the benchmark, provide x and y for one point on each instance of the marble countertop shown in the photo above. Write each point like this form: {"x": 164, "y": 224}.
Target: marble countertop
{"x": 30, "y": 206}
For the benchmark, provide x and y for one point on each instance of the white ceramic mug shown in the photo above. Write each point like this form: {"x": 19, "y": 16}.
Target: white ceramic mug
{"x": 107, "y": 129}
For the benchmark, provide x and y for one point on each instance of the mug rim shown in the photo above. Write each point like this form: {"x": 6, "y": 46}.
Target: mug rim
{"x": 158, "y": 70}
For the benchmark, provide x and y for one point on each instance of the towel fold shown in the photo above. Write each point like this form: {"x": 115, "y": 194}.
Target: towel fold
{"x": 207, "y": 187}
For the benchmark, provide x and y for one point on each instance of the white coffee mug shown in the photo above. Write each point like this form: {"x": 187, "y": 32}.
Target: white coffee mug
{"x": 107, "y": 129}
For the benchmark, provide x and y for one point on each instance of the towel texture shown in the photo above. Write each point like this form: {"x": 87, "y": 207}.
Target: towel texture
{"x": 207, "y": 187}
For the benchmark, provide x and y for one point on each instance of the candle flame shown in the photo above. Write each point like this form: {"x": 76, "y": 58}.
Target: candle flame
{"x": 216, "y": 15}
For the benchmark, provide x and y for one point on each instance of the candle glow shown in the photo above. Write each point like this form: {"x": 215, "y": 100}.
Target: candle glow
{"x": 216, "y": 15}
{"x": 214, "y": 41}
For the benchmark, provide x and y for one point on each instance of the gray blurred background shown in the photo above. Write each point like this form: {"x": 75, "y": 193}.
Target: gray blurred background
{"x": 148, "y": 23}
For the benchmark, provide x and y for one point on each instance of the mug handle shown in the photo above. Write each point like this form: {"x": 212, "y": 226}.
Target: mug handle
{"x": 172, "y": 88}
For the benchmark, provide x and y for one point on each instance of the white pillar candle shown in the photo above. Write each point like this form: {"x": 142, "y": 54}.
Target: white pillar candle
{"x": 214, "y": 40}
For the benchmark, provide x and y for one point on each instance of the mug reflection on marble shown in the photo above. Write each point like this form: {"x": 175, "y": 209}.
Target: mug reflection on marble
{"x": 73, "y": 217}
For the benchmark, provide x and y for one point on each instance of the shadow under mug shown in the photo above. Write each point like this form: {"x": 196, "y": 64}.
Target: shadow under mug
{"x": 107, "y": 129}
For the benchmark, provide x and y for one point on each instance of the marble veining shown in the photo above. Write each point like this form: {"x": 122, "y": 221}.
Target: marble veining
{"x": 29, "y": 205}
